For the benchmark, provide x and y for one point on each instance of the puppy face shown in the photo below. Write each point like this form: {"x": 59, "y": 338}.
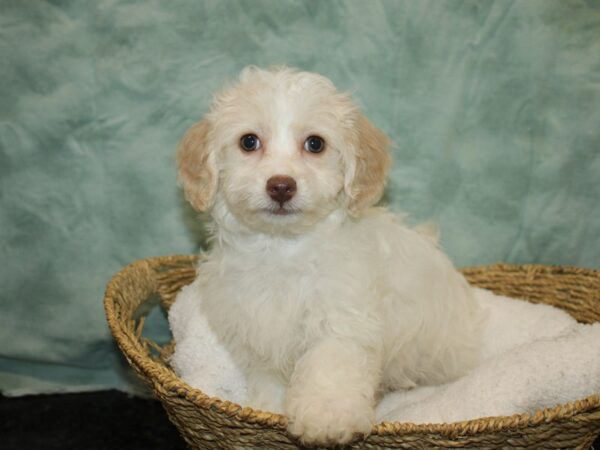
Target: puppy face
{"x": 280, "y": 150}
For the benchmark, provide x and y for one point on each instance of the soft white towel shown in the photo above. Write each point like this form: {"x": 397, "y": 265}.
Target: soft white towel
{"x": 199, "y": 358}
{"x": 511, "y": 323}
{"x": 533, "y": 357}
{"x": 533, "y": 376}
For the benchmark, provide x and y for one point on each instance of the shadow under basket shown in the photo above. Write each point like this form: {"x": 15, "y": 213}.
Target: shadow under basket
{"x": 212, "y": 423}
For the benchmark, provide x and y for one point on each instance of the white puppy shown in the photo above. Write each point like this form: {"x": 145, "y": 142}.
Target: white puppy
{"x": 323, "y": 300}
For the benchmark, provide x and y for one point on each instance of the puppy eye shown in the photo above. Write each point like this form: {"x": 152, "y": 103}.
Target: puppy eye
{"x": 314, "y": 144}
{"x": 249, "y": 142}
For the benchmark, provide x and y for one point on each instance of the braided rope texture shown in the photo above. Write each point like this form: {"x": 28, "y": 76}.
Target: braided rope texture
{"x": 211, "y": 423}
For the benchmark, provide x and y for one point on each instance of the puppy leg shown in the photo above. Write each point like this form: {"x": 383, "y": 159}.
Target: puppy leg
{"x": 266, "y": 391}
{"x": 332, "y": 392}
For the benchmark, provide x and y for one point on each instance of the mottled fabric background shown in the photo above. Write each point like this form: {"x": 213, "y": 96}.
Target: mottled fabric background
{"x": 494, "y": 108}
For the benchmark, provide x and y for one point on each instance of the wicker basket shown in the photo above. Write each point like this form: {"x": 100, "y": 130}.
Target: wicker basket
{"x": 212, "y": 423}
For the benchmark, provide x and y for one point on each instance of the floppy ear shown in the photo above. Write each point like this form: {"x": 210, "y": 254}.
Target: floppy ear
{"x": 367, "y": 174}
{"x": 197, "y": 167}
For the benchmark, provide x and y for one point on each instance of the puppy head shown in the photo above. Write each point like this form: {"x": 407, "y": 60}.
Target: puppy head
{"x": 280, "y": 150}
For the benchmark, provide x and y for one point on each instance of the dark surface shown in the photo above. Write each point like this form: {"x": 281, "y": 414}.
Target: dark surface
{"x": 107, "y": 420}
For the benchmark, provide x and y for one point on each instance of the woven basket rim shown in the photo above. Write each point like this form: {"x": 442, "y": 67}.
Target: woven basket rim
{"x": 169, "y": 381}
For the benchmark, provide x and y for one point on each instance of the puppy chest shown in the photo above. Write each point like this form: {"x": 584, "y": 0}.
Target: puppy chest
{"x": 262, "y": 314}
{"x": 275, "y": 307}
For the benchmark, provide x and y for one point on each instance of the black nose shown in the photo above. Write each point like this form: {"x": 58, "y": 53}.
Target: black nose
{"x": 281, "y": 188}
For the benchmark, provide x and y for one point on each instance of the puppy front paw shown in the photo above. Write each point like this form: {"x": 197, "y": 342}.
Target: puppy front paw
{"x": 325, "y": 421}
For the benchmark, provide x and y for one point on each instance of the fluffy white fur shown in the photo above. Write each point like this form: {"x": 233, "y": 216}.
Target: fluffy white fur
{"x": 324, "y": 302}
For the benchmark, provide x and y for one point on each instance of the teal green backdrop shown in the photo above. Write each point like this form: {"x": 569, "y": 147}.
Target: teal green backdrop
{"x": 494, "y": 108}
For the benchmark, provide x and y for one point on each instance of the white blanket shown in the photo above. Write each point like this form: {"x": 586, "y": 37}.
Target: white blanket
{"x": 533, "y": 357}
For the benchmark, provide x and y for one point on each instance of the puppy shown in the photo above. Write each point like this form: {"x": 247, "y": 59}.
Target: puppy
{"x": 324, "y": 300}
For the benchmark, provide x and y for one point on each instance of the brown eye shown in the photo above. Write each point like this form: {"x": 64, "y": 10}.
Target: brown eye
{"x": 314, "y": 144}
{"x": 249, "y": 142}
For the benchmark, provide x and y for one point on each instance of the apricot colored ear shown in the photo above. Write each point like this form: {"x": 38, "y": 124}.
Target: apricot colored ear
{"x": 367, "y": 175}
{"x": 197, "y": 167}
